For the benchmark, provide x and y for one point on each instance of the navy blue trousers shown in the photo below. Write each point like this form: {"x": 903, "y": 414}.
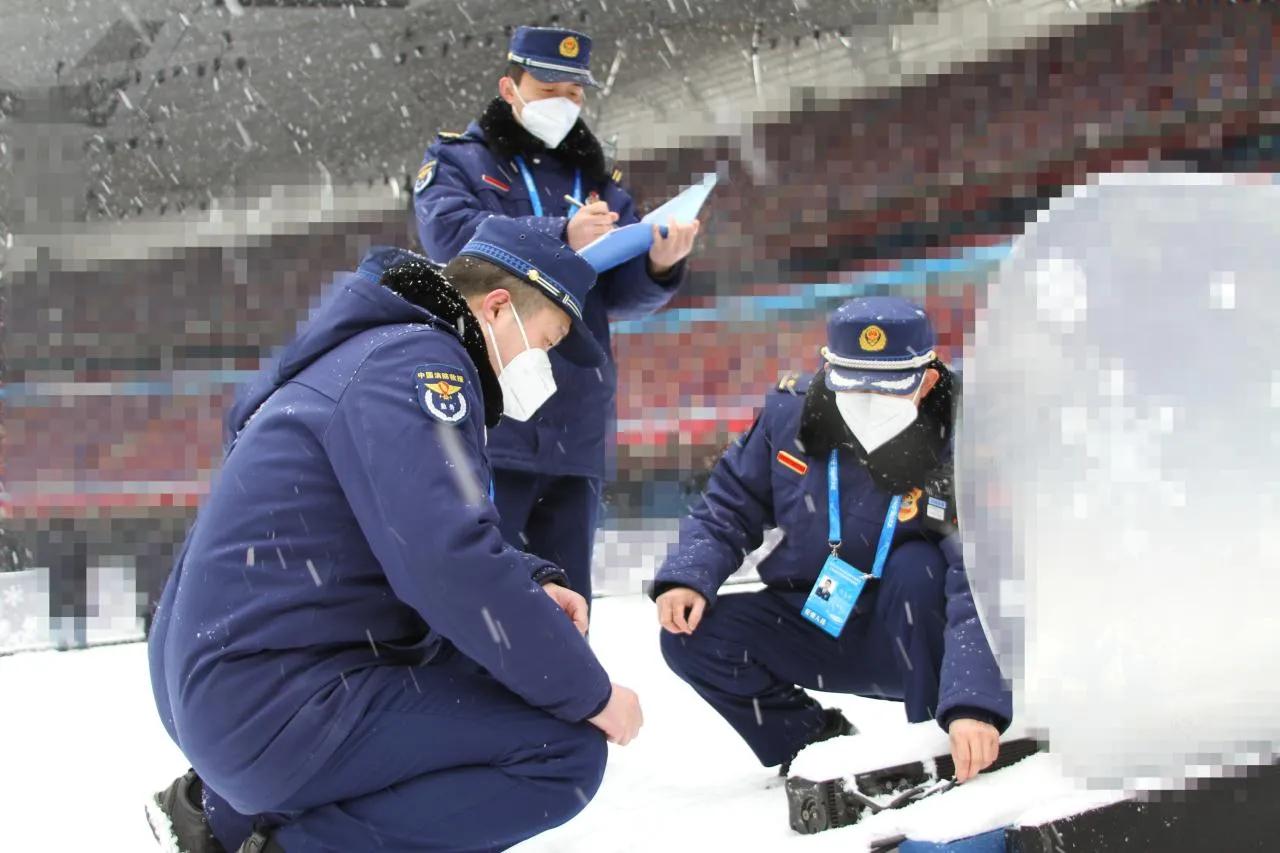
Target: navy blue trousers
{"x": 553, "y": 517}
{"x": 455, "y": 763}
{"x": 753, "y": 653}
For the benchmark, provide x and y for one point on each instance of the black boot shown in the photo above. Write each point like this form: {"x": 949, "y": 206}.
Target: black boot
{"x": 260, "y": 842}
{"x": 177, "y": 818}
{"x": 834, "y": 724}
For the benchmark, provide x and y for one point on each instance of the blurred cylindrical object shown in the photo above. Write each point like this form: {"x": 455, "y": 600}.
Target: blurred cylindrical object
{"x": 1118, "y": 466}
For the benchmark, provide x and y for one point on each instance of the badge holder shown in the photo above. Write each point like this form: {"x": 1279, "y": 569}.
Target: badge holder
{"x": 839, "y": 585}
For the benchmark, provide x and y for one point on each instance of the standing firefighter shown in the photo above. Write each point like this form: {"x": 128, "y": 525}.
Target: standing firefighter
{"x": 347, "y": 651}
{"x": 866, "y": 593}
{"x": 530, "y": 157}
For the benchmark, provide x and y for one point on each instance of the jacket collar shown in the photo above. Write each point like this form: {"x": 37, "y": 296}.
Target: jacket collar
{"x": 908, "y": 460}
{"x": 506, "y": 138}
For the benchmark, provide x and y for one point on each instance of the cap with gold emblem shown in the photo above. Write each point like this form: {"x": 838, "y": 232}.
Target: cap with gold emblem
{"x": 552, "y": 268}
{"x": 553, "y": 55}
{"x": 878, "y": 343}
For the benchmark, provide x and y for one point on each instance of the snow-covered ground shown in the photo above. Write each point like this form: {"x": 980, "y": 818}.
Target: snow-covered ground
{"x": 81, "y": 748}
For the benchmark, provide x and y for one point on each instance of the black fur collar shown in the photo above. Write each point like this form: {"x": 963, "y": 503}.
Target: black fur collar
{"x": 910, "y": 459}
{"x": 506, "y": 138}
{"x": 423, "y": 284}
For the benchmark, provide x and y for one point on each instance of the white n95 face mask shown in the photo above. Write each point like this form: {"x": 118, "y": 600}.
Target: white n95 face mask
{"x": 526, "y": 381}
{"x": 876, "y": 418}
{"x": 549, "y": 119}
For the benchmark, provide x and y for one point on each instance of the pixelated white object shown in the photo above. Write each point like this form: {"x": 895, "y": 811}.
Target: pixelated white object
{"x": 13, "y": 596}
{"x": 24, "y": 610}
{"x": 1117, "y": 467}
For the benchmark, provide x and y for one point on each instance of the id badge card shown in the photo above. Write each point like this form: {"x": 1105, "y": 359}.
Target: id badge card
{"x": 833, "y": 597}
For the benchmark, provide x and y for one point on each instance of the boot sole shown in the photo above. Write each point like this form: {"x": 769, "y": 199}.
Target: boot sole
{"x": 161, "y": 827}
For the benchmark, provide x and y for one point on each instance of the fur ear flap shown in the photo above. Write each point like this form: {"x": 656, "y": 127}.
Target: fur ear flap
{"x": 415, "y": 279}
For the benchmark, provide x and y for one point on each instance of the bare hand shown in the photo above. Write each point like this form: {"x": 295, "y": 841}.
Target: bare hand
{"x": 621, "y": 719}
{"x": 974, "y": 746}
{"x": 589, "y": 223}
{"x": 668, "y": 251}
{"x": 574, "y": 605}
{"x": 680, "y": 609}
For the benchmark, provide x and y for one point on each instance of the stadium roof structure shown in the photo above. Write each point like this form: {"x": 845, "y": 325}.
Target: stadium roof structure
{"x": 135, "y": 129}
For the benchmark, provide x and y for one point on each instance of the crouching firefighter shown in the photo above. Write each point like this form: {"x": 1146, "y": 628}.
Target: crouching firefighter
{"x": 866, "y": 593}
{"x": 347, "y": 652}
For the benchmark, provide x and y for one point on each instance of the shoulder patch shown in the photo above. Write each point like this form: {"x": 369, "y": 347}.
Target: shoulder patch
{"x": 617, "y": 175}
{"x": 438, "y": 389}
{"x": 425, "y": 174}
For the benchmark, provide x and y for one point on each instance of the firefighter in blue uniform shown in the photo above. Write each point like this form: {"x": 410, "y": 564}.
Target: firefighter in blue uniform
{"x": 347, "y": 651}
{"x": 530, "y": 157}
{"x": 866, "y": 592}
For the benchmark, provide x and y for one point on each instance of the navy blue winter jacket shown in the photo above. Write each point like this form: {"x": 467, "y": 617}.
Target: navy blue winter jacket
{"x": 758, "y": 484}
{"x": 350, "y": 531}
{"x": 469, "y": 176}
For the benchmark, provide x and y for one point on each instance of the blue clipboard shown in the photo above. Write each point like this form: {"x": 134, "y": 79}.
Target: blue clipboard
{"x": 630, "y": 241}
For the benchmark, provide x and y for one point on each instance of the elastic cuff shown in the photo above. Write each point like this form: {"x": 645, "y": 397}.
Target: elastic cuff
{"x": 969, "y": 712}
{"x": 659, "y": 587}
{"x": 600, "y": 708}
{"x": 548, "y": 573}
{"x": 670, "y": 276}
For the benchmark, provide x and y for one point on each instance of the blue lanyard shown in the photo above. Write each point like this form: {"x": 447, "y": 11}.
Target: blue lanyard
{"x": 534, "y": 198}
{"x": 833, "y": 517}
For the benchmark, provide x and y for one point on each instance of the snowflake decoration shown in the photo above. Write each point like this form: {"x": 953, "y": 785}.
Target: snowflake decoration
{"x": 13, "y": 596}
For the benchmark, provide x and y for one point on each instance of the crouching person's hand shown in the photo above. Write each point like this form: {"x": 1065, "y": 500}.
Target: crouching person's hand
{"x": 573, "y": 604}
{"x": 974, "y": 746}
{"x": 621, "y": 719}
{"x": 680, "y": 609}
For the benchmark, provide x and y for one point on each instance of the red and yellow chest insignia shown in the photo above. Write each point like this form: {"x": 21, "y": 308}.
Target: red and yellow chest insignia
{"x": 793, "y": 463}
